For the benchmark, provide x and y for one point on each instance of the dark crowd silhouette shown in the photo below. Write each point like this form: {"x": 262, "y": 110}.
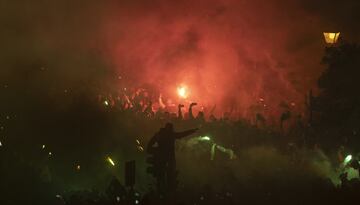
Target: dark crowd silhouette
{"x": 186, "y": 157}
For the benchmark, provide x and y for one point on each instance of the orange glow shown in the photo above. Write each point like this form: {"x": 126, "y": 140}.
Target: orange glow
{"x": 182, "y": 92}
{"x": 331, "y": 38}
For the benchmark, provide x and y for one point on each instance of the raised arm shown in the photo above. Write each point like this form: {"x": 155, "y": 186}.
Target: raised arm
{"x": 180, "y": 115}
{"x": 179, "y": 135}
{"x": 191, "y": 116}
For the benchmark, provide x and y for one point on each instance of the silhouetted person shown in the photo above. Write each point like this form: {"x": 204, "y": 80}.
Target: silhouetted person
{"x": 200, "y": 117}
{"x": 116, "y": 192}
{"x": 180, "y": 115}
{"x": 344, "y": 179}
{"x": 191, "y": 115}
{"x": 149, "y": 111}
{"x": 163, "y": 145}
{"x": 284, "y": 117}
{"x": 212, "y": 118}
{"x": 260, "y": 119}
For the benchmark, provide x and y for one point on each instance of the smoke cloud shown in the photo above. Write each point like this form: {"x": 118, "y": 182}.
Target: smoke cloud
{"x": 229, "y": 53}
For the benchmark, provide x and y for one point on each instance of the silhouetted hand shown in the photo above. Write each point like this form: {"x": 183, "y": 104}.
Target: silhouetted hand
{"x": 181, "y": 105}
{"x": 193, "y": 104}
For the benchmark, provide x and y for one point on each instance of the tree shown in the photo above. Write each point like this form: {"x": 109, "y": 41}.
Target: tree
{"x": 339, "y": 102}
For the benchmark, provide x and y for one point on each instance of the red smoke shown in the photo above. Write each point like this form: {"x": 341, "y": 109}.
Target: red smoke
{"x": 228, "y": 53}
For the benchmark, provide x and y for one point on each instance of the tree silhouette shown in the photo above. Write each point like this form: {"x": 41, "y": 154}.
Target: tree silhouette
{"x": 339, "y": 102}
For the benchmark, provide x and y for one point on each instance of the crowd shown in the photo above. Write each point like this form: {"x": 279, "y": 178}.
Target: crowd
{"x": 226, "y": 162}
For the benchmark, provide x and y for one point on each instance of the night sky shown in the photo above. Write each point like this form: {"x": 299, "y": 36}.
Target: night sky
{"x": 229, "y": 52}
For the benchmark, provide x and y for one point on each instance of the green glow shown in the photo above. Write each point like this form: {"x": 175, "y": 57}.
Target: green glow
{"x": 206, "y": 138}
{"x": 213, "y": 147}
{"x": 348, "y": 159}
{"x": 110, "y": 161}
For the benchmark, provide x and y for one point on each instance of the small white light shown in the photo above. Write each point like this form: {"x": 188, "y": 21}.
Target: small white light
{"x": 206, "y": 138}
{"x": 348, "y": 159}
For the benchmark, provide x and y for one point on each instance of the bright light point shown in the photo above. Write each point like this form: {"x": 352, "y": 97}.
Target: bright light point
{"x": 0, "y": 144}
{"x": 331, "y": 38}
{"x": 106, "y": 103}
{"x": 206, "y": 138}
{"x": 78, "y": 167}
{"x": 50, "y": 153}
{"x": 137, "y": 141}
{"x": 110, "y": 161}
{"x": 348, "y": 159}
{"x": 140, "y": 148}
{"x": 43, "y": 146}
{"x": 182, "y": 92}
{"x": 136, "y": 201}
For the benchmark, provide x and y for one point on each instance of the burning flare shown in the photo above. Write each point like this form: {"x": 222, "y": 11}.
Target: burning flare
{"x": 182, "y": 92}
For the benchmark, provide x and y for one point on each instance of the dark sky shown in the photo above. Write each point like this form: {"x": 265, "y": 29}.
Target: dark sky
{"x": 229, "y": 51}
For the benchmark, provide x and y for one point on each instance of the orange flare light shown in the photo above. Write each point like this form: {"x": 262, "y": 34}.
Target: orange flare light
{"x": 182, "y": 92}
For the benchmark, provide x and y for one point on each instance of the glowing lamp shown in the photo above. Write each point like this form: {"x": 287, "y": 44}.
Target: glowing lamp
{"x": 331, "y": 38}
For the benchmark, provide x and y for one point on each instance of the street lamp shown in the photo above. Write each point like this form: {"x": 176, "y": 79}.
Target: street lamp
{"x": 331, "y": 37}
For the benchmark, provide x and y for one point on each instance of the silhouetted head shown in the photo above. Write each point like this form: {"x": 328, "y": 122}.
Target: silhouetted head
{"x": 169, "y": 127}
